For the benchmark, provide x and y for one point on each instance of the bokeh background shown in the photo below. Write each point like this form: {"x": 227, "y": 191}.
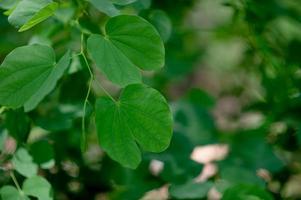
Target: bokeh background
{"x": 233, "y": 81}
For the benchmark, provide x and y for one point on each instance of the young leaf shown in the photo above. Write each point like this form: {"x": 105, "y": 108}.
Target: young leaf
{"x": 40, "y": 16}
{"x": 31, "y": 12}
{"x": 38, "y": 187}
{"x": 141, "y": 115}
{"x": 28, "y": 74}
{"x": 129, "y": 43}
{"x": 23, "y": 163}
{"x": 11, "y": 193}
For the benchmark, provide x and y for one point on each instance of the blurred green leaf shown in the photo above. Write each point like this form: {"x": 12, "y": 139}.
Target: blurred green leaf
{"x": 243, "y": 192}
{"x": 123, "y": 2}
{"x": 162, "y": 23}
{"x": 38, "y": 187}
{"x": 11, "y": 193}
{"x": 105, "y": 6}
{"x": 190, "y": 190}
{"x": 31, "y": 12}
{"x": 24, "y": 164}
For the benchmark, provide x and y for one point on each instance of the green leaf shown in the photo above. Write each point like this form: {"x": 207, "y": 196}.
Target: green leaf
{"x": 40, "y": 16}
{"x": 162, "y": 23}
{"x": 239, "y": 175}
{"x": 108, "y": 7}
{"x": 28, "y": 74}
{"x": 242, "y": 192}
{"x": 28, "y": 13}
{"x": 38, "y": 187}
{"x": 105, "y": 6}
{"x": 190, "y": 190}
{"x": 129, "y": 43}
{"x": 141, "y": 115}
{"x": 8, "y": 4}
{"x": 10, "y": 193}
{"x": 123, "y": 2}
{"x": 23, "y": 163}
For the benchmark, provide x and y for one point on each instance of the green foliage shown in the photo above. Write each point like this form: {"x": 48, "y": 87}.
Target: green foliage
{"x": 150, "y": 99}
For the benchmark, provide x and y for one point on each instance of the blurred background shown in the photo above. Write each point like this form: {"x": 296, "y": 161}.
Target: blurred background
{"x": 233, "y": 81}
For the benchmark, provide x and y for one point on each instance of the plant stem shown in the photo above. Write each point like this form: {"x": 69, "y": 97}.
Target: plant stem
{"x": 84, "y": 139}
{"x": 82, "y": 53}
{"x": 91, "y": 73}
{"x": 12, "y": 175}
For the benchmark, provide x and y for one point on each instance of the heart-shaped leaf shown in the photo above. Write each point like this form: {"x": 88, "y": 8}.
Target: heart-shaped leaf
{"x": 38, "y": 187}
{"x": 129, "y": 43}
{"x": 141, "y": 115}
{"x": 28, "y": 74}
